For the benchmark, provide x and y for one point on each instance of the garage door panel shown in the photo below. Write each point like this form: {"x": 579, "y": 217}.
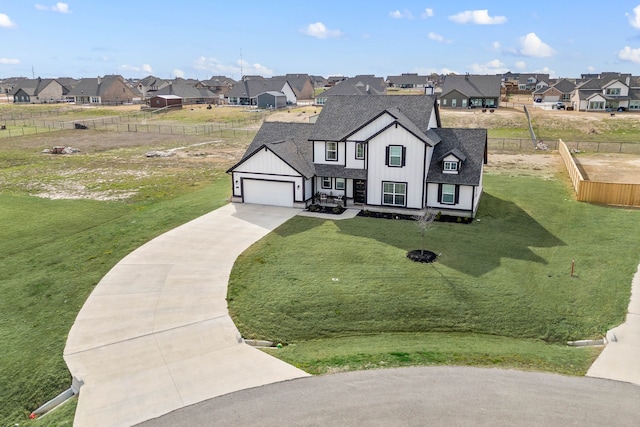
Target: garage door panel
{"x": 274, "y": 193}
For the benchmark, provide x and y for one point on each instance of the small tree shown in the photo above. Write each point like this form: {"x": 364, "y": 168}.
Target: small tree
{"x": 424, "y": 220}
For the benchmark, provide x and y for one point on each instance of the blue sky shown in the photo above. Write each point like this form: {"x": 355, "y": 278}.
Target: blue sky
{"x": 198, "y": 39}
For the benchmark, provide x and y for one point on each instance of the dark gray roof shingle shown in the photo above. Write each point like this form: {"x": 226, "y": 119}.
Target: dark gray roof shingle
{"x": 334, "y": 125}
{"x": 289, "y": 141}
{"x": 473, "y": 85}
{"x": 469, "y": 143}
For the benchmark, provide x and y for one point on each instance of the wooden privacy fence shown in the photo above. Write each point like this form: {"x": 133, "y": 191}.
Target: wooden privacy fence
{"x": 608, "y": 193}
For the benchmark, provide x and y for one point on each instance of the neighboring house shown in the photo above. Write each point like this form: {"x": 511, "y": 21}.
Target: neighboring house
{"x": 385, "y": 153}
{"x": 246, "y": 91}
{"x": 39, "y": 91}
{"x": 607, "y": 93}
{"x": 334, "y": 80}
{"x": 530, "y": 82}
{"x": 560, "y": 91}
{"x": 301, "y": 84}
{"x": 162, "y": 101}
{"x": 219, "y": 85}
{"x": 318, "y": 81}
{"x": 358, "y": 85}
{"x": 149, "y": 85}
{"x": 470, "y": 91}
{"x": 188, "y": 93}
{"x": 408, "y": 81}
{"x": 107, "y": 90}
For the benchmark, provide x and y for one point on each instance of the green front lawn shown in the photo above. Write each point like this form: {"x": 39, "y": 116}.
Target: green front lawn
{"x": 506, "y": 275}
{"x": 53, "y": 253}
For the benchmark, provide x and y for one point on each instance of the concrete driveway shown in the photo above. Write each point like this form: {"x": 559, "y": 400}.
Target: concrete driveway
{"x": 155, "y": 334}
{"x": 620, "y": 359}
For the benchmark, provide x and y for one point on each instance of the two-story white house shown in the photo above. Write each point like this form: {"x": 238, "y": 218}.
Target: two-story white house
{"x": 609, "y": 92}
{"x": 375, "y": 152}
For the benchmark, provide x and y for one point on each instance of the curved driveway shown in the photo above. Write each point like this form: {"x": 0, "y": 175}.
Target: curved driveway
{"x": 155, "y": 334}
{"x": 435, "y": 396}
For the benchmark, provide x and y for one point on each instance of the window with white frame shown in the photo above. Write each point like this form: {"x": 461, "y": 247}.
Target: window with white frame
{"x": 464, "y": 102}
{"x": 451, "y": 166}
{"x": 444, "y": 101}
{"x": 340, "y": 185}
{"x": 359, "y": 150}
{"x": 454, "y": 101}
{"x": 596, "y": 105}
{"x": 331, "y": 150}
{"x": 634, "y": 105}
{"x": 395, "y": 156}
{"x": 394, "y": 193}
{"x": 613, "y": 91}
{"x": 326, "y": 182}
{"x": 448, "y": 194}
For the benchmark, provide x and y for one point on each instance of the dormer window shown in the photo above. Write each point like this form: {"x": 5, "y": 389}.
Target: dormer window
{"x": 613, "y": 91}
{"x": 451, "y": 166}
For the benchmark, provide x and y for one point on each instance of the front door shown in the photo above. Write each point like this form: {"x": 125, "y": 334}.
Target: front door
{"x": 359, "y": 191}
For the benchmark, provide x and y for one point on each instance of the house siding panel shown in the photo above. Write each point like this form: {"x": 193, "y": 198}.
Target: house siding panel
{"x": 412, "y": 173}
{"x": 465, "y": 198}
{"x": 351, "y": 160}
{"x": 319, "y": 154}
{"x": 268, "y": 163}
{"x": 372, "y": 128}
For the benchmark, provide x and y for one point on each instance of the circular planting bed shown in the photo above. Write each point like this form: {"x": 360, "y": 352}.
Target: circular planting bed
{"x": 419, "y": 255}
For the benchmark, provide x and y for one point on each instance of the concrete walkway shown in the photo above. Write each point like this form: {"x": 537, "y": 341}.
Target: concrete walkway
{"x": 155, "y": 334}
{"x": 620, "y": 359}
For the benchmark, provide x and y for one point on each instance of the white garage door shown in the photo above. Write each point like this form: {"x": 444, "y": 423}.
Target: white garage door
{"x": 273, "y": 193}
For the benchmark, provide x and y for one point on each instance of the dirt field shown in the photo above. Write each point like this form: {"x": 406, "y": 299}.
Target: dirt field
{"x": 618, "y": 168}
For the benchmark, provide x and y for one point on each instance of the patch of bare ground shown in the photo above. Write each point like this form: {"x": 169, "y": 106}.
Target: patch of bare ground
{"x": 545, "y": 166}
{"x": 610, "y": 167}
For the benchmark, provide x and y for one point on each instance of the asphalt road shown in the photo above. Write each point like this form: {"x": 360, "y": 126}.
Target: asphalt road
{"x": 431, "y": 396}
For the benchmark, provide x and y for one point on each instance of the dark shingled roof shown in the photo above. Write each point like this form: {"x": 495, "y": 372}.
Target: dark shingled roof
{"x": 470, "y": 143}
{"x": 340, "y": 171}
{"x": 334, "y": 125}
{"x": 477, "y": 86}
{"x": 289, "y": 141}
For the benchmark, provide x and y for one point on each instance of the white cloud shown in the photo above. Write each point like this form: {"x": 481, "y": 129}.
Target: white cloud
{"x": 629, "y": 54}
{"x": 214, "y": 66}
{"x": 634, "y": 18}
{"x": 591, "y": 68}
{"x": 5, "y": 21}
{"x": 58, "y": 7}
{"x": 134, "y": 68}
{"x": 61, "y": 7}
{"x": 319, "y": 31}
{"x": 492, "y": 67}
{"x": 179, "y": 73}
{"x": 521, "y": 65}
{"x": 496, "y": 45}
{"x": 437, "y": 37}
{"x": 429, "y": 71}
{"x": 531, "y": 45}
{"x": 427, "y": 13}
{"x": 396, "y": 14}
{"x": 480, "y": 17}
{"x": 9, "y": 61}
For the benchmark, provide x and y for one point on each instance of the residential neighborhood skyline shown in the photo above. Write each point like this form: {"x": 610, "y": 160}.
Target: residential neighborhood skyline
{"x": 196, "y": 40}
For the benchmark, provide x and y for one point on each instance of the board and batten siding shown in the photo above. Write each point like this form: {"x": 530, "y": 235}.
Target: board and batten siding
{"x": 272, "y": 169}
{"x": 319, "y": 153}
{"x": 467, "y": 198}
{"x": 412, "y": 173}
{"x": 351, "y": 161}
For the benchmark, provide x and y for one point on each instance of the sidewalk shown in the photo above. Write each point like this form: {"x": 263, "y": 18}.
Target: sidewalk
{"x": 155, "y": 334}
{"x": 620, "y": 359}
